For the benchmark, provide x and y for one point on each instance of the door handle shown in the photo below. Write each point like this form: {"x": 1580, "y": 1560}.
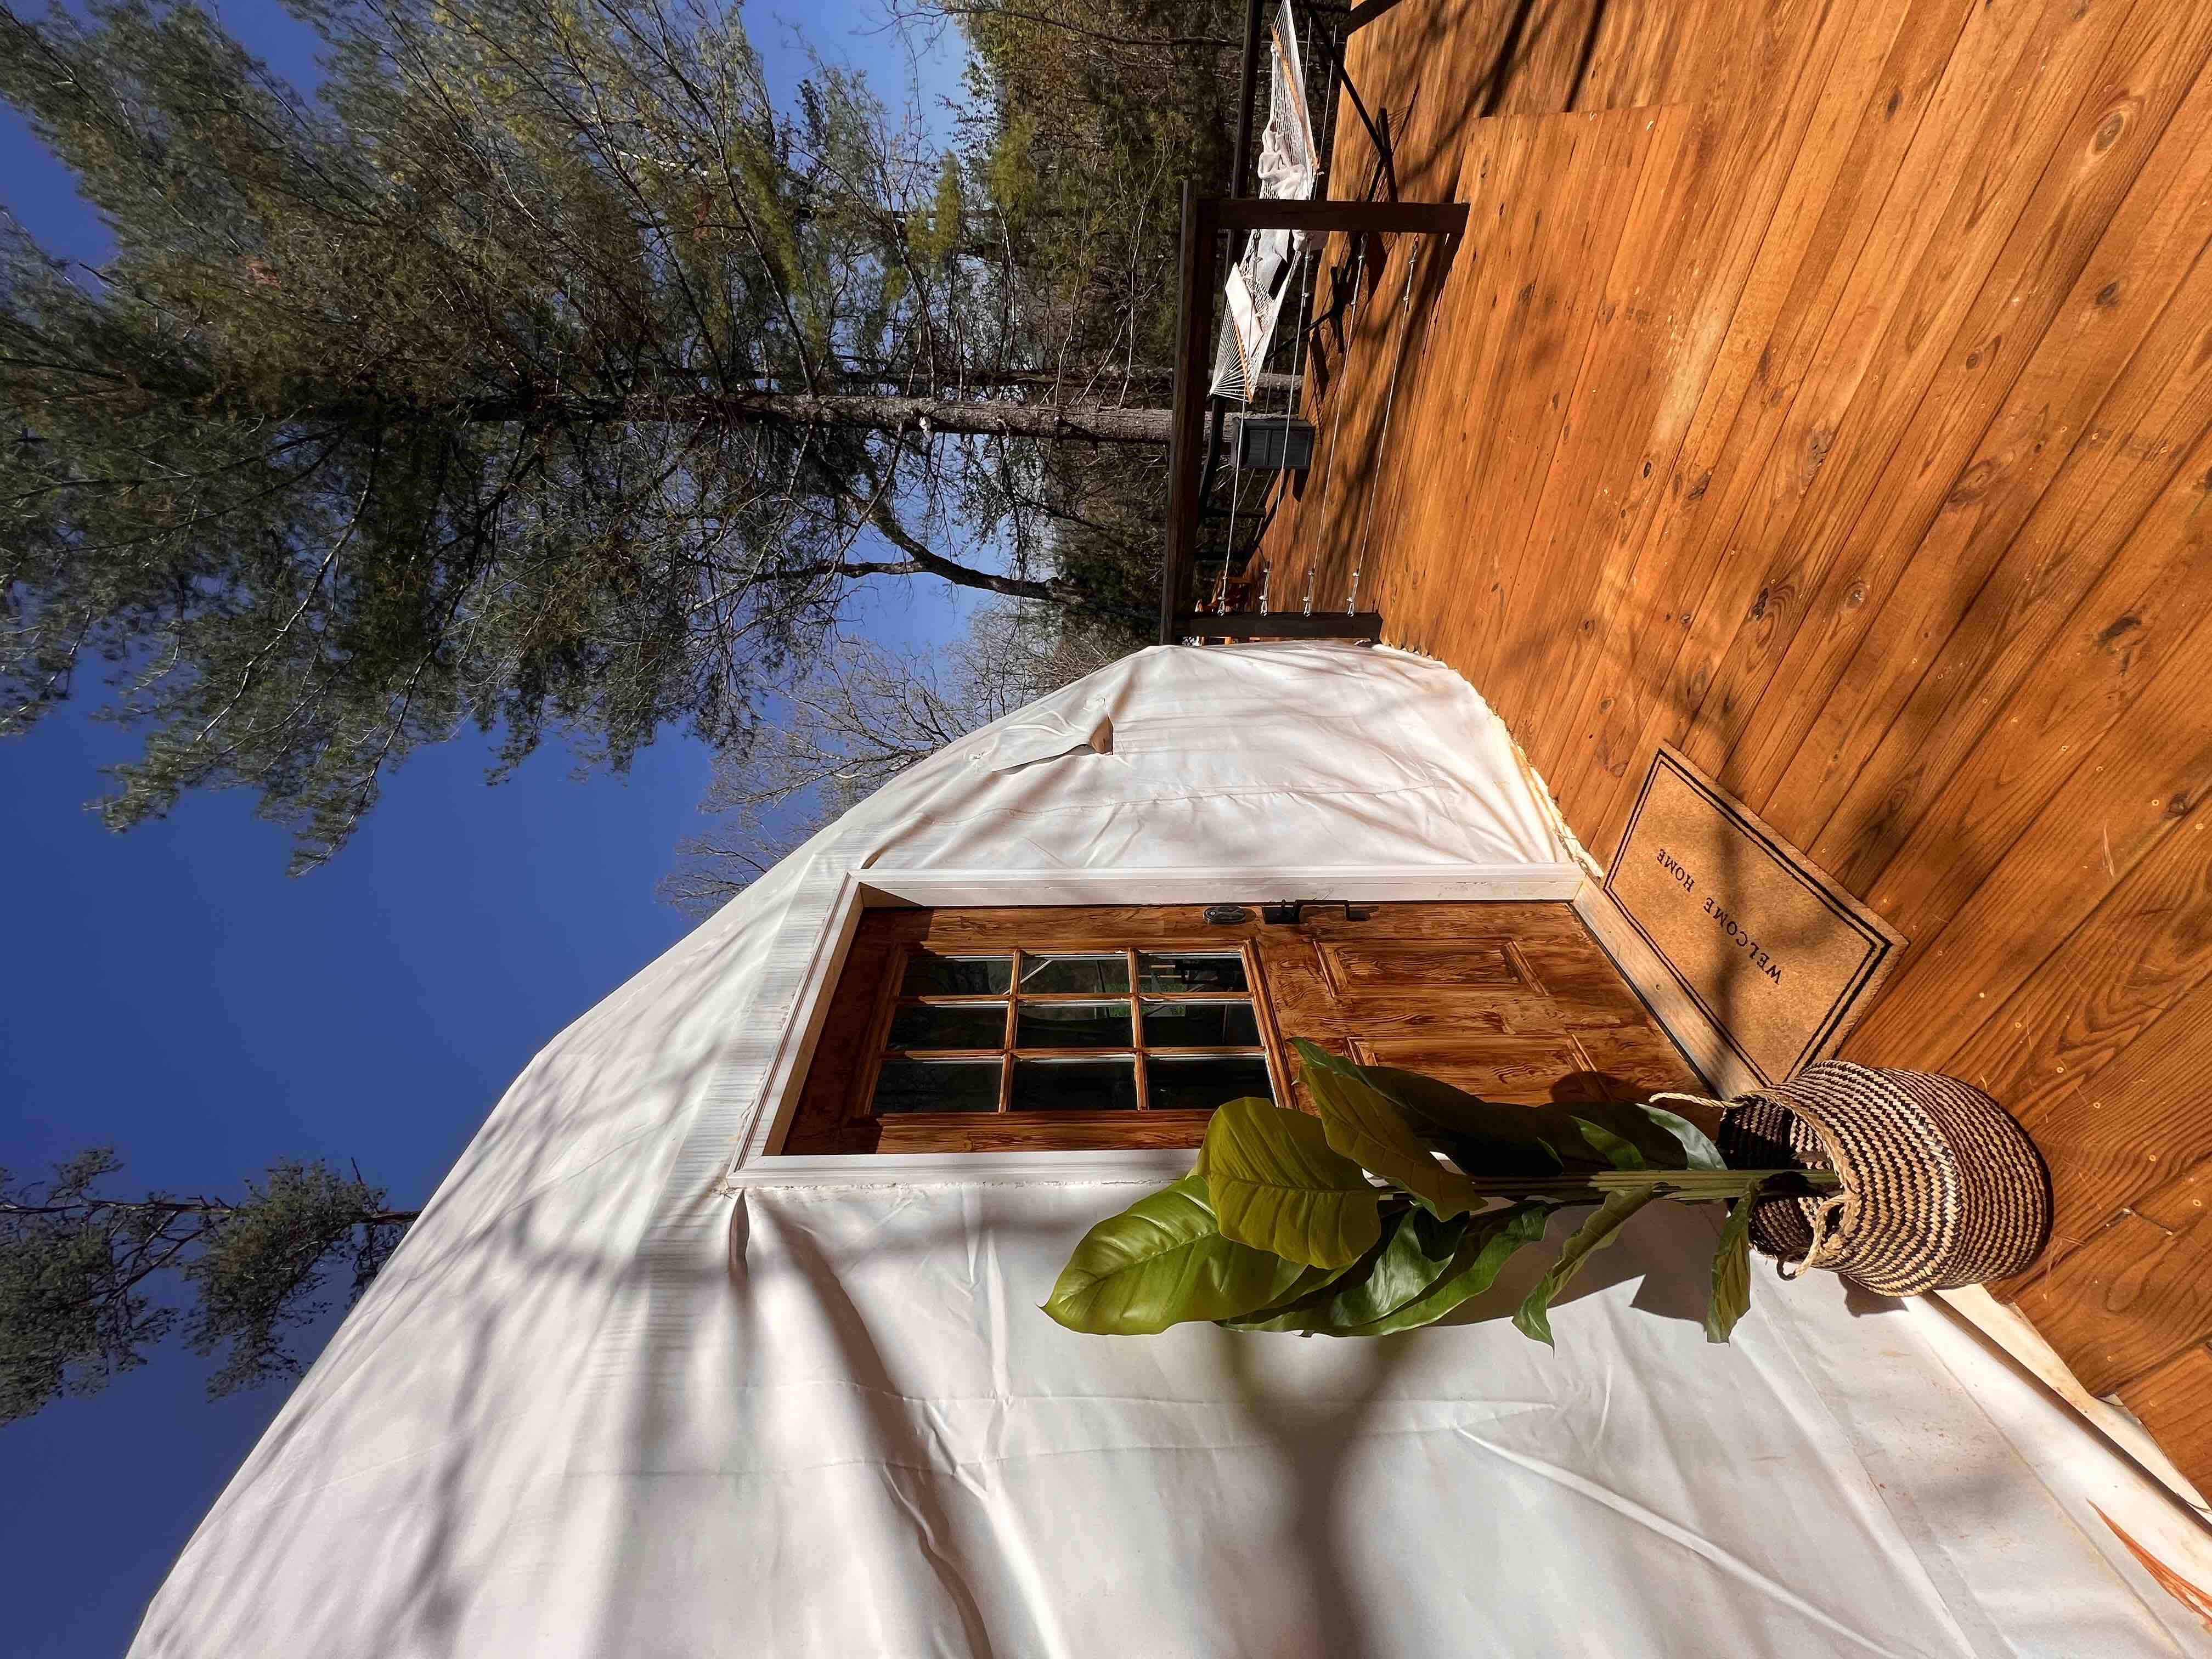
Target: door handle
{"x": 1290, "y": 914}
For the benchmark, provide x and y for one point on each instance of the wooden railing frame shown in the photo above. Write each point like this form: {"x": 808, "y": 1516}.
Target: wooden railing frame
{"x": 1204, "y": 218}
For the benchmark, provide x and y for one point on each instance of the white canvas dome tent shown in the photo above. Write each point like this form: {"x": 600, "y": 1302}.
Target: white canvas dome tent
{"x": 635, "y": 1385}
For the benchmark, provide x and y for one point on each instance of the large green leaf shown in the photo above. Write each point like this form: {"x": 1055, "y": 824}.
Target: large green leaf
{"x": 1159, "y": 1262}
{"x": 1533, "y": 1318}
{"x": 1415, "y": 1251}
{"x": 1491, "y": 1138}
{"x": 1731, "y": 1298}
{"x": 1309, "y": 1285}
{"x": 1363, "y": 1124}
{"x": 1621, "y": 1154}
{"x": 1276, "y": 1186}
{"x": 1486, "y": 1246}
{"x": 1316, "y": 1286}
{"x": 1483, "y": 1137}
{"x": 1697, "y": 1146}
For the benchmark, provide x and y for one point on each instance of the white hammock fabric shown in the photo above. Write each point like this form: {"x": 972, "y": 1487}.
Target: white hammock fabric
{"x": 1288, "y": 164}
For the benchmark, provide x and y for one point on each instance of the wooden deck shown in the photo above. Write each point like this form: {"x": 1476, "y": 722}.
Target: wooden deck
{"x": 1828, "y": 389}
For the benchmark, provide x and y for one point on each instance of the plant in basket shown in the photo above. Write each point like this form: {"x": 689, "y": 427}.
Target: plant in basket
{"x": 1399, "y": 1200}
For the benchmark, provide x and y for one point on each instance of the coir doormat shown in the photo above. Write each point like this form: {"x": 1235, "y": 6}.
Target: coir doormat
{"x": 1781, "y": 959}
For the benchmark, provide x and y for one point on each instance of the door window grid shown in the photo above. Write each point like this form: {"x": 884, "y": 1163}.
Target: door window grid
{"x": 1123, "y": 987}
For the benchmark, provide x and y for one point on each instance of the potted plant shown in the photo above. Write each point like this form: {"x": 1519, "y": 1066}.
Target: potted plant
{"x": 1347, "y": 1224}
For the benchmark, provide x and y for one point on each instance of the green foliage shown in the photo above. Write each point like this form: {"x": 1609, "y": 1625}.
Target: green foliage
{"x": 1615, "y": 1149}
{"x": 1089, "y": 116}
{"x": 78, "y": 1269}
{"x": 1370, "y": 1257}
{"x": 936, "y": 235}
{"x": 1490, "y": 1241}
{"x": 453, "y": 399}
{"x": 1731, "y": 1293}
{"x": 1083, "y": 122}
{"x": 1367, "y": 1125}
{"x": 1698, "y": 1152}
{"x": 256, "y": 1276}
{"x": 1412, "y": 1257}
{"x": 1533, "y": 1318}
{"x": 1161, "y": 1261}
{"x": 1469, "y": 1131}
{"x": 1278, "y": 1187}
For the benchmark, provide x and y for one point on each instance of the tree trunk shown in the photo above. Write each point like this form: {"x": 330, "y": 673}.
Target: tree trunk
{"x": 1084, "y": 423}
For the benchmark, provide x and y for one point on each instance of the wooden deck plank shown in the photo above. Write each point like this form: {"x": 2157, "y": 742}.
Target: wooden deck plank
{"x": 1494, "y": 487}
{"x": 1927, "y": 260}
{"x": 2115, "y": 1139}
{"x": 2135, "y": 1295}
{"x": 1851, "y": 81}
{"x": 1916, "y": 834}
{"x": 2007, "y": 387}
{"x": 1809, "y": 319}
{"x": 1871, "y": 458}
{"x": 1764, "y": 191}
{"x": 1464, "y": 346}
{"x": 2051, "y": 816}
{"x": 2077, "y": 860}
{"x": 1603, "y": 453}
{"x": 2174, "y": 1402}
{"x": 2140, "y": 949}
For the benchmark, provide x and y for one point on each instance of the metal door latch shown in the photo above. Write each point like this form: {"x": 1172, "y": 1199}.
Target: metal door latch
{"x": 1291, "y": 914}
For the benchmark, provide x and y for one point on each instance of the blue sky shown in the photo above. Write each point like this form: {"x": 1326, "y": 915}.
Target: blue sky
{"x": 172, "y": 992}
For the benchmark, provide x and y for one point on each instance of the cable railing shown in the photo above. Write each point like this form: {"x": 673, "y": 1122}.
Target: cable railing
{"x": 1202, "y": 540}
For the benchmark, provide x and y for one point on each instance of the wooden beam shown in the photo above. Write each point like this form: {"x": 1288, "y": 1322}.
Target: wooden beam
{"x": 1366, "y": 12}
{"x": 1354, "y": 218}
{"x": 1274, "y": 625}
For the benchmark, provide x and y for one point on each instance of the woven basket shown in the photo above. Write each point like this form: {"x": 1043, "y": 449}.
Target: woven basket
{"x": 1940, "y": 1187}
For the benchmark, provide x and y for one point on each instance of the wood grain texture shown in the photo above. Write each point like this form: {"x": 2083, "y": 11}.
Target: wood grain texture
{"x": 2174, "y": 1402}
{"x": 1828, "y": 390}
{"x": 1514, "y": 1002}
{"x": 2128, "y": 1299}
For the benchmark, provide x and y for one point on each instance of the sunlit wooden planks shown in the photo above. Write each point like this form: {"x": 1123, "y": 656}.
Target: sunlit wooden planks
{"x": 1864, "y": 446}
{"x": 2174, "y": 1402}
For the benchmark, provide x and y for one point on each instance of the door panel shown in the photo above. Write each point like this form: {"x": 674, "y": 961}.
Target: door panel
{"x": 1514, "y": 1002}
{"x": 1522, "y": 1069}
{"x": 936, "y": 1009}
{"x": 1388, "y": 970}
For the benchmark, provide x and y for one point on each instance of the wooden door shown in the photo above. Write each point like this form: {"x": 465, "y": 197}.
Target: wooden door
{"x": 1512, "y": 1002}
{"x": 1065, "y": 1027}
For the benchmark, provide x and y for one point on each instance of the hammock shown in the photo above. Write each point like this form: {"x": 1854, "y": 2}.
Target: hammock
{"x": 1288, "y": 166}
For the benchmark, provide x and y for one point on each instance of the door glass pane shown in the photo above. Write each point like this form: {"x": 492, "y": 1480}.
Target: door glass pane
{"x": 1190, "y": 970}
{"x": 1073, "y": 1025}
{"x": 1049, "y": 976}
{"x": 1201, "y": 1085}
{"x": 957, "y": 976}
{"x": 1200, "y": 1025}
{"x": 1075, "y": 1085}
{"x": 937, "y": 1085}
{"x": 951, "y": 1025}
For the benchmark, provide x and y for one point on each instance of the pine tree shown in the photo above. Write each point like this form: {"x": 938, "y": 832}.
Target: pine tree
{"x": 79, "y": 1269}
{"x": 543, "y": 376}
